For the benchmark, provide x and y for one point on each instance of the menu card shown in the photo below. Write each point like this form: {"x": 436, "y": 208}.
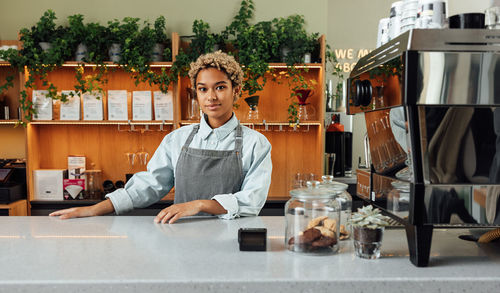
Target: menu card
{"x": 70, "y": 110}
{"x": 117, "y": 105}
{"x": 163, "y": 106}
{"x": 141, "y": 105}
{"x": 92, "y": 106}
{"x": 42, "y": 105}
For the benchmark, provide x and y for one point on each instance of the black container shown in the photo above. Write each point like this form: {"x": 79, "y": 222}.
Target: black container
{"x": 467, "y": 20}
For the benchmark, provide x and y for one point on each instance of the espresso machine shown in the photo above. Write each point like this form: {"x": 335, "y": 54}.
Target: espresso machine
{"x": 431, "y": 102}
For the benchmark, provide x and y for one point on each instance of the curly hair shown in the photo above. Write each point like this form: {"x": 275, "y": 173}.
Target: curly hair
{"x": 223, "y": 62}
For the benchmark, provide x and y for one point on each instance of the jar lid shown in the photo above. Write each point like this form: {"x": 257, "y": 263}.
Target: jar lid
{"x": 333, "y": 185}
{"x": 313, "y": 190}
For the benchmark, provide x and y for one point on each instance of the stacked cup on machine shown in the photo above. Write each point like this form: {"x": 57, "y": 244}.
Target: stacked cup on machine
{"x": 409, "y": 15}
{"x": 383, "y": 32}
{"x": 431, "y": 14}
{"x": 395, "y": 19}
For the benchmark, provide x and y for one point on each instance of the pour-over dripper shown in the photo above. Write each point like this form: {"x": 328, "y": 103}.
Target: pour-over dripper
{"x": 303, "y": 94}
{"x": 253, "y": 111}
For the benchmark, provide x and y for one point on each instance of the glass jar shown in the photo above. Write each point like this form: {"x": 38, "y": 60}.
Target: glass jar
{"x": 94, "y": 190}
{"x": 345, "y": 201}
{"x": 312, "y": 220}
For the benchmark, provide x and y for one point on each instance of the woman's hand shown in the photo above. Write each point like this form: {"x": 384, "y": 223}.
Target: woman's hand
{"x": 176, "y": 211}
{"x": 74, "y": 213}
{"x": 102, "y": 208}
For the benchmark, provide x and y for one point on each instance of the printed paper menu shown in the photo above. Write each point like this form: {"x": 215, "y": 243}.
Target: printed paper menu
{"x": 117, "y": 105}
{"x": 141, "y": 105}
{"x": 70, "y": 110}
{"x": 42, "y": 105}
{"x": 163, "y": 106}
{"x": 92, "y": 106}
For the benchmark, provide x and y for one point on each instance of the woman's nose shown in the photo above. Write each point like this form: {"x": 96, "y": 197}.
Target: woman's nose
{"x": 211, "y": 95}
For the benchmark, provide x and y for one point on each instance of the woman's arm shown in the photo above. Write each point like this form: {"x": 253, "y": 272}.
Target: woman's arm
{"x": 99, "y": 209}
{"x": 143, "y": 189}
{"x": 191, "y": 208}
{"x": 253, "y": 194}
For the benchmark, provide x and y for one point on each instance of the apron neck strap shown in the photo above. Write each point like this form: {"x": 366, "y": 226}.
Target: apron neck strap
{"x": 191, "y": 135}
{"x": 238, "y": 138}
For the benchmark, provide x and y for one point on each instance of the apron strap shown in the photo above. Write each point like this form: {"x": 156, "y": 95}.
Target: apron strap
{"x": 191, "y": 135}
{"x": 238, "y": 139}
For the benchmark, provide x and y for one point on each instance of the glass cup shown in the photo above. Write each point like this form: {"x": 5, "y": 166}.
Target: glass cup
{"x": 367, "y": 242}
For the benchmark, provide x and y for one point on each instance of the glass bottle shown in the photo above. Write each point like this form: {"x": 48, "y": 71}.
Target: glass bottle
{"x": 193, "y": 106}
{"x": 312, "y": 220}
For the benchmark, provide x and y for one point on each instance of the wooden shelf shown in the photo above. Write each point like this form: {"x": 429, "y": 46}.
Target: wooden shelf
{"x": 9, "y": 122}
{"x": 112, "y": 64}
{"x": 308, "y": 123}
{"x": 306, "y": 65}
{"x": 98, "y": 122}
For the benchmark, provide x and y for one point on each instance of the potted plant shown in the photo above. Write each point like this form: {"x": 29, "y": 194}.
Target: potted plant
{"x": 367, "y": 230}
{"x": 120, "y": 35}
{"x": 160, "y": 37}
{"x": 294, "y": 41}
{"x": 78, "y": 36}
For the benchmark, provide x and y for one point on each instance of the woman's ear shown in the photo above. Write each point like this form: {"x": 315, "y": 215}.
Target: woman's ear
{"x": 236, "y": 93}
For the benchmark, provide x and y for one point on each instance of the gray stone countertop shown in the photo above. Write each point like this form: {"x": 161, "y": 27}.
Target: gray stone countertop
{"x": 133, "y": 254}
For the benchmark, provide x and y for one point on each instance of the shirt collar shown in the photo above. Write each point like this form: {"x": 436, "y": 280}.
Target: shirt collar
{"x": 220, "y": 132}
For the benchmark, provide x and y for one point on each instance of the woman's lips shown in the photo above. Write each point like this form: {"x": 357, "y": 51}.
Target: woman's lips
{"x": 212, "y": 106}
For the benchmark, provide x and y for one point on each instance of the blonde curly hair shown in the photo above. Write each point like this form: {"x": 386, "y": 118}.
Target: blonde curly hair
{"x": 223, "y": 62}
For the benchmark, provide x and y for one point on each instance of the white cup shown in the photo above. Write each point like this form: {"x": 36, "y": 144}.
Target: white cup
{"x": 383, "y": 32}
{"x": 395, "y": 19}
{"x": 431, "y": 14}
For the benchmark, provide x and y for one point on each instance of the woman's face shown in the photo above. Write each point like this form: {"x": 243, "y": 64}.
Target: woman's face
{"x": 215, "y": 94}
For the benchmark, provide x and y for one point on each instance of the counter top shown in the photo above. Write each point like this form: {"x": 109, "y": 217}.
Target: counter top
{"x": 133, "y": 254}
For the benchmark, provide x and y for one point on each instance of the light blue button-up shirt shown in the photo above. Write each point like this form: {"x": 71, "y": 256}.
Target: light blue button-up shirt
{"x": 148, "y": 187}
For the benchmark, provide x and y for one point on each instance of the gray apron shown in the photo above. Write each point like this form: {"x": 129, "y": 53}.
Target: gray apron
{"x": 201, "y": 174}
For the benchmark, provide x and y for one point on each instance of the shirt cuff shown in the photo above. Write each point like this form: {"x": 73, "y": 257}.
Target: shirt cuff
{"x": 121, "y": 201}
{"x": 229, "y": 203}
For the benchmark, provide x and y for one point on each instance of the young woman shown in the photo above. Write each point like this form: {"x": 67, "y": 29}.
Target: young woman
{"x": 218, "y": 166}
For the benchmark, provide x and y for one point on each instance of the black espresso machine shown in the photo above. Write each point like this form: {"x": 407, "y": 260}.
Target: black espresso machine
{"x": 431, "y": 101}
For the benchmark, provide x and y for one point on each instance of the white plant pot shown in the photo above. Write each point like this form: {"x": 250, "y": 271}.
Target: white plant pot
{"x": 284, "y": 53}
{"x": 307, "y": 58}
{"x": 157, "y": 53}
{"x": 45, "y": 46}
{"x": 115, "y": 52}
{"x": 81, "y": 52}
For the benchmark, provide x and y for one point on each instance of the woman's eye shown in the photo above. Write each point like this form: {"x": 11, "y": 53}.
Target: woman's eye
{"x": 202, "y": 89}
{"x": 220, "y": 87}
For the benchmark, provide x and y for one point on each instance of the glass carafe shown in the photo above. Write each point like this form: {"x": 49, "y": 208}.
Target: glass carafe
{"x": 305, "y": 110}
{"x": 345, "y": 202}
{"x": 312, "y": 220}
